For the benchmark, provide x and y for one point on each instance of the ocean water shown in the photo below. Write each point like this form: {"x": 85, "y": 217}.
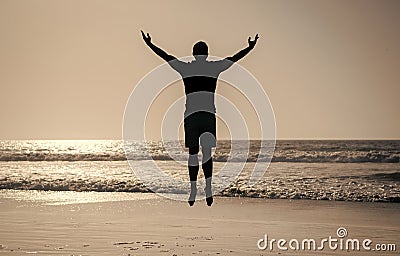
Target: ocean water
{"x": 363, "y": 170}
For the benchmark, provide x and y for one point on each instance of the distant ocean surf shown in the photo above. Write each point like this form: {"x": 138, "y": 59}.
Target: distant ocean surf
{"x": 349, "y": 170}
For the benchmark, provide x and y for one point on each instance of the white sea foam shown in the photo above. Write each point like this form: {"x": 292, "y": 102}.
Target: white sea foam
{"x": 330, "y": 170}
{"x": 324, "y": 181}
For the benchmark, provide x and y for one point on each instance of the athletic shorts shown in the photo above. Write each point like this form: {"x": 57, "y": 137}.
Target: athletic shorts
{"x": 200, "y": 126}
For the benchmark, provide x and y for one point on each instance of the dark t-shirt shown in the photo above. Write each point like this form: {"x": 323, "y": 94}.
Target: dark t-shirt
{"x": 200, "y": 81}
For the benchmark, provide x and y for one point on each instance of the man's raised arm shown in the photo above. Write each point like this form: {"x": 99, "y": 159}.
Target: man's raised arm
{"x": 245, "y": 51}
{"x": 165, "y": 56}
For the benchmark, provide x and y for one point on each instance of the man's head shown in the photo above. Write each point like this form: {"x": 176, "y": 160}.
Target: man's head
{"x": 200, "y": 48}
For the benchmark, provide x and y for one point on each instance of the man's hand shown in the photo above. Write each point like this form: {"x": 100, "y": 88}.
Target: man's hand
{"x": 147, "y": 38}
{"x": 160, "y": 52}
{"x": 252, "y": 43}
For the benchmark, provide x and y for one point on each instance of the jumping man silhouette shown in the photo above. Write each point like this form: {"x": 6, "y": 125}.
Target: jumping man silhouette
{"x": 200, "y": 80}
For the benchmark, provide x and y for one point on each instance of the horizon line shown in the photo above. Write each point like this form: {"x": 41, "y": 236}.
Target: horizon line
{"x": 222, "y": 139}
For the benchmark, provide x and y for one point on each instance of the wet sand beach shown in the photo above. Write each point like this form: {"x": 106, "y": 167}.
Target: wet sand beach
{"x": 150, "y": 225}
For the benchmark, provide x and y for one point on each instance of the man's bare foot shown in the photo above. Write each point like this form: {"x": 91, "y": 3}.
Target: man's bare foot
{"x": 192, "y": 197}
{"x": 209, "y": 200}
{"x": 209, "y": 196}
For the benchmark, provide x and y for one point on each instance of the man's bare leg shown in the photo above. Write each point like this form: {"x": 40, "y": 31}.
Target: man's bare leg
{"x": 193, "y": 165}
{"x": 207, "y": 166}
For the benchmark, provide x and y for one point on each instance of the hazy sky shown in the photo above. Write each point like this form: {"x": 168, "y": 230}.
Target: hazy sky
{"x": 330, "y": 68}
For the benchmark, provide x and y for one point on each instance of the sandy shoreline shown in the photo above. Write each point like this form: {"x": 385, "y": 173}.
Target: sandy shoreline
{"x": 165, "y": 227}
